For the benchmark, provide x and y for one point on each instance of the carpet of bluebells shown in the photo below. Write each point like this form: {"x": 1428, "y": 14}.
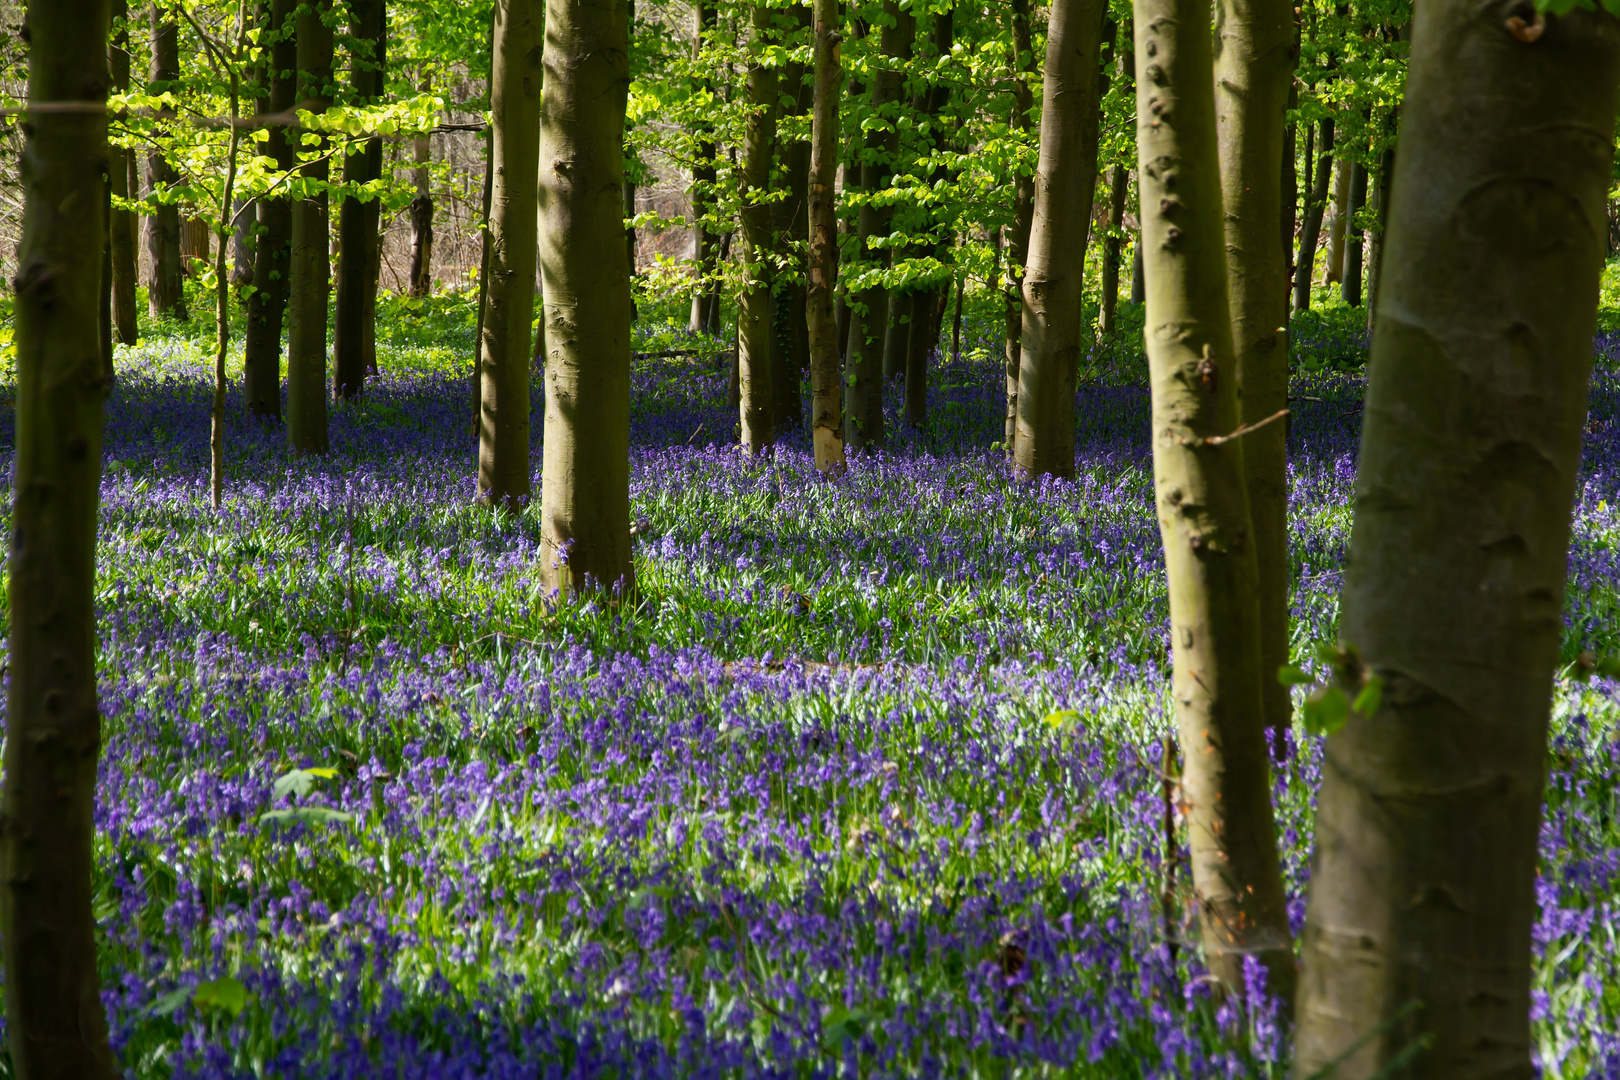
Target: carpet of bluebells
{"x": 866, "y": 781}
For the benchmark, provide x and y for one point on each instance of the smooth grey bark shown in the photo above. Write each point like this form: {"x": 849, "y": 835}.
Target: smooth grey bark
{"x": 122, "y": 223}
{"x": 272, "y": 258}
{"x": 1423, "y": 875}
{"x": 422, "y": 210}
{"x": 705, "y": 244}
{"x": 55, "y": 1022}
{"x": 585, "y": 494}
{"x": 1054, "y": 276}
{"x": 821, "y": 270}
{"x": 1310, "y": 236}
{"x": 508, "y": 309}
{"x": 1334, "y": 272}
{"x": 790, "y": 219}
{"x": 756, "y": 337}
{"x": 309, "y": 279}
{"x": 165, "y": 292}
{"x": 1375, "y": 244}
{"x": 354, "y": 319}
{"x": 1020, "y": 67}
{"x": 1202, "y": 503}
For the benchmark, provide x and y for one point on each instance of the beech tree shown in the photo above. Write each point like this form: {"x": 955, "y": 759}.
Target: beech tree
{"x": 503, "y": 365}
{"x": 354, "y": 322}
{"x": 585, "y": 495}
{"x": 272, "y": 270}
{"x": 1021, "y": 67}
{"x": 821, "y": 269}
{"x": 165, "y": 293}
{"x": 124, "y": 185}
{"x": 755, "y": 334}
{"x": 55, "y": 1022}
{"x": 1417, "y": 945}
{"x": 1201, "y": 501}
{"x": 310, "y": 272}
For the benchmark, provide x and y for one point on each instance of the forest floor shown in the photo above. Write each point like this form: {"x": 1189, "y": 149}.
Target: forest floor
{"x": 864, "y": 781}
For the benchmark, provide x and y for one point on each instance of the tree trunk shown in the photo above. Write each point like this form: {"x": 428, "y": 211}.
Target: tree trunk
{"x": 1334, "y": 271}
{"x": 1350, "y": 287}
{"x": 483, "y": 250}
{"x": 311, "y": 270}
{"x": 1054, "y": 278}
{"x": 1138, "y": 276}
{"x": 1375, "y": 248}
{"x": 755, "y": 334}
{"x": 166, "y": 293}
{"x": 125, "y": 266}
{"x": 704, "y": 243}
{"x": 1310, "y": 235}
{"x": 422, "y": 215}
{"x": 1202, "y": 506}
{"x": 222, "y": 285}
{"x": 272, "y": 270}
{"x": 56, "y": 1025}
{"x": 1017, "y": 239}
{"x": 1108, "y": 310}
{"x": 869, "y": 310}
{"x": 821, "y": 269}
{"x": 1254, "y": 69}
{"x": 1423, "y": 876}
{"x": 356, "y": 300}
{"x": 585, "y": 514}
{"x": 791, "y": 220}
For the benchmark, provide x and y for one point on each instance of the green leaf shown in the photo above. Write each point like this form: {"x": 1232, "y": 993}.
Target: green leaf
{"x": 1289, "y": 675}
{"x": 171, "y": 1001}
{"x": 1063, "y": 718}
{"x": 299, "y": 781}
{"x": 1372, "y": 694}
{"x": 226, "y": 995}
{"x": 842, "y": 1024}
{"x": 306, "y": 815}
{"x": 1326, "y": 710}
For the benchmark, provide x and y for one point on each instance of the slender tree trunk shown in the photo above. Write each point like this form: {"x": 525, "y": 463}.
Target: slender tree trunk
{"x": 869, "y": 311}
{"x": 119, "y": 161}
{"x": 483, "y": 252}
{"x": 791, "y": 220}
{"x": 55, "y": 1022}
{"x": 1138, "y": 276}
{"x": 242, "y": 242}
{"x": 1017, "y": 239}
{"x": 272, "y": 269}
{"x": 1340, "y": 219}
{"x": 821, "y": 271}
{"x": 356, "y": 299}
{"x": 926, "y": 304}
{"x": 1202, "y": 506}
{"x": 1422, "y": 898}
{"x": 1375, "y": 253}
{"x": 422, "y": 214}
{"x": 1254, "y": 69}
{"x": 310, "y": 275}
{"x": 222, "y": 284}
{"x": 1310, "y": 235}
{"x": 756, "y": 337}
{"x": 704, "y": 243}
{"x": 585, "y": 514}
{"x": 956, "y": 319}
{"x": 515, "y": 83}
{"x": 1065, "y": 180}
{"x": 1108, "y": 310}
{"x": 166, "y": 293}
{"x": 1350, "y": 287}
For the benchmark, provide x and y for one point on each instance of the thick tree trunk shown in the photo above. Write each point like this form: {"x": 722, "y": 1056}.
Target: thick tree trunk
{"x": 272, "y": 269}
{"x": 821, "y": 270}
{"x": 1334, "y": 272}
{"x": 1202, "y": 506}
{"x": 1350, "y": 286}
{"x": 503, "y": 365}
{"x": 355, "y": 316}
{"x": 585, "y": 514}
{"x": 925, "y": 314}
{"x": 1254, "y": 69}
{"x": 1017, "y": 238}
{"x": 310, "y": 278}
{"x": 1108, "y": 309}
{"x": 869, "y": 310}
{"x": 1310, "y": 235}
{"x": 756, "y": 337}
{"x": 165, "y": 293}
{"x": 1054, "y": 278}
{"x": 125, "y": 265}
{"x": 706, "y": 298}
{"x": 1425, "y": 862}
{"x": 55, "y": 1022}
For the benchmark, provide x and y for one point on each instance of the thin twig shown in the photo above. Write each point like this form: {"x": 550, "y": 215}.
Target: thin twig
{"x": 1217, "y": 440}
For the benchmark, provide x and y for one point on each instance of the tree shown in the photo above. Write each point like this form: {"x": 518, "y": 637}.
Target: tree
{"x": 1310, "y": 234}
{"x": 422, "y": 211}
{"x": 790, "y": 218}
{"x": 1350, "y": 284}
{"x": 1054, "y": 276}
{"x": 53, "y": 722}
{"x": 503, "y": 422}
{"x": 272, "y": 269}
{"x": 354, "y": 324}
{"x": 1022, "y": 65}
{"x": 755, "y": 334}
{"x": 927, "y": 301}
{"x": 1202, "y": 505}
{"x": 1254, "y": 70}
{"x": 310, "y": 277}
{"x": 585, "y": 496}
{"x": 1417, "y": 946}
{"x": 120, "y": 162}
{"x": 705, "y": 244}
{"x": 821, "y": 270}
{"x": 166, "y": 293}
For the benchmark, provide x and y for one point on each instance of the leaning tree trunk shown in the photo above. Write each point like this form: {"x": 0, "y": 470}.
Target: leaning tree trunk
{"x": 1065, "y": 180}
{"x": 311, "y": 263}
{"x": 585, "y": 499}
{"x": 267, "y": 305}
{"x": 1017, "y": 241}
{"x": 166, "y": 293}
{"x": 869, "y": 310}
{"x": 355, "y": 318}
{"x": 125, "y": 266}
{"x": 55, "y": 1022}
{"x": 755, "y": 334}
{"x": 1202, "y": 506}
{"x": 1310, "y": 235}
{"x": 503, "y": 364}
{"x": 1254, "y": 70}
{"x": 705, "y": 244}
{"x": 1350, "y": 286}
{"x": 821, "y": 268}
{"x": 1423, "y": 877}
